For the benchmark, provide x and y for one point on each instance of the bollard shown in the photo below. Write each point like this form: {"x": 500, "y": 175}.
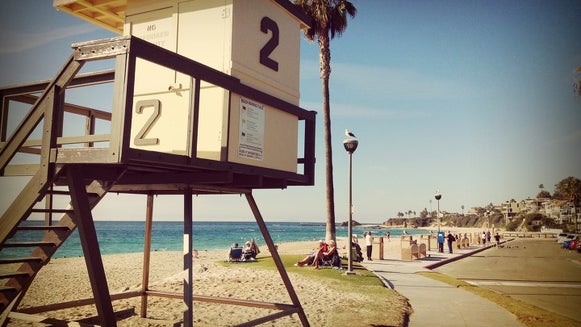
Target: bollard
{"x": 381, "y": 244}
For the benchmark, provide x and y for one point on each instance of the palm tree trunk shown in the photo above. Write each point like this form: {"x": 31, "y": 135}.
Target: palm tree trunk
{"x": 325, "y": 70}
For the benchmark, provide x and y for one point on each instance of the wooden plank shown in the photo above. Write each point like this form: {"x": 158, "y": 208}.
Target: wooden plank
{"x": 15, "y": 274}
{"x": 276, "y": 258}
{"x": 146, "y": 254}
{"x": 62, "y": 140}
{"x": 52, "y": 211}
{"x": 188, "y": 260}
{"x": 90, "y": 245}
{"x": 107, "y": 14}
{"x": 26, "y": 244}
{"x": 27, "y": 125}
{"x": 76, "y": 303}
{"x": 19, "y": 207}
{"x": 43, "y": 228}
{"x": 21, "y": 170}
{"x": 68, "y": 107}
{"x": 19, "y": 260}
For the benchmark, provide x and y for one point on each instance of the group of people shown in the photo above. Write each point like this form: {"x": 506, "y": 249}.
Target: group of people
{"x": 326, "y": 252}
{"x": 247, "y": 253}
{"x": 486, "y": 237}
{"x": 451, "y": 238}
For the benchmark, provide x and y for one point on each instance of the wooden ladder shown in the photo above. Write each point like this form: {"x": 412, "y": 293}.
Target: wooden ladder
{"x": 37, "y": 241}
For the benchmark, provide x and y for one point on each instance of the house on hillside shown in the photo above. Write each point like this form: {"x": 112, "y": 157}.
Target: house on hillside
{"x": 533, "y": 205}
{"x": 562, "y": 211}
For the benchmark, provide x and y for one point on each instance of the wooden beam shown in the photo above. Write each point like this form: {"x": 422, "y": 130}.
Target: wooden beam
{"x": 276, "y": 259}
{"x": 90, "y": 245}
{"x": 76, "y": 303}
{"x": 146, "y": 254}
{"x": 188, "y": 260}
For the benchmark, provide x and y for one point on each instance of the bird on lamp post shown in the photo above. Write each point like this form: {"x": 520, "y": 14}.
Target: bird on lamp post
{"x": 349, "y": 134}
{"x": 350, "y": 145}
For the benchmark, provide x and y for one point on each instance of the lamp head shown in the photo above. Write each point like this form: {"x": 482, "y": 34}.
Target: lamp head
{"x": 438, "y": 196}
{"x": 350, "y": 145}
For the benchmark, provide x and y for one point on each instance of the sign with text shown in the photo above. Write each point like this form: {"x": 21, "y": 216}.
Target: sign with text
{"x": 251, "y": 141}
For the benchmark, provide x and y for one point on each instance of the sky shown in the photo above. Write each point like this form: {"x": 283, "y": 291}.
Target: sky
{"x": 471, "y": 98}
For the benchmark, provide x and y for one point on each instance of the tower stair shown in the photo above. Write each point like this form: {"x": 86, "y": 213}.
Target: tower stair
{"x": 49, "y": 207}
{"x": 27, "y": 244}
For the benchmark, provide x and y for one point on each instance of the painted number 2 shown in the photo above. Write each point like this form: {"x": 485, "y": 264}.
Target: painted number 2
{"x": 140, "y": 137}
{"x": 267, "y": 24}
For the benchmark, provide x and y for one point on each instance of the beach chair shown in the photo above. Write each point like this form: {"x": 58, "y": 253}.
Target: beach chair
{"x": 235, "y": 254}
{"x": 333, "y": 261}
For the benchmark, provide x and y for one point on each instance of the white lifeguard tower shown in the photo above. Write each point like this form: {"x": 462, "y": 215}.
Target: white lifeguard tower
{"x": 205, "y": 101}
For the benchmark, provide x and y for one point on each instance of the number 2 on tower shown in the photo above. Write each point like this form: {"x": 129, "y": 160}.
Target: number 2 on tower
{"x": 140, "y": 137}
{"x": 267, "y": 24}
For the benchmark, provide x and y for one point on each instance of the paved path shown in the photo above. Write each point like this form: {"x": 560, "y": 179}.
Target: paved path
{"x": 536, "y": 271}
{"x": 435, "y": 303}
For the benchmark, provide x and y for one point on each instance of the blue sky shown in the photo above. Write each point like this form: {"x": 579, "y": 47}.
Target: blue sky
{"x": 474, "y": 98}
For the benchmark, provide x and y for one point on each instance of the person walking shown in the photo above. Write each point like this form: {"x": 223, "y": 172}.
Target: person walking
{"x": 497, "y": 239}
{"x": 387, "y": 235}
{"x": 369, "y": 245}
{"x": 483, "y": 237}
{"x": 451, "y": 239}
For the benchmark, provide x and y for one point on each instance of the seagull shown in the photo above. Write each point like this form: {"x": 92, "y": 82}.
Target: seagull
{"x": 349, "y": 134}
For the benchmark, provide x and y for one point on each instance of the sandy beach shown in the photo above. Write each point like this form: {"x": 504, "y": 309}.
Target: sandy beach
{"x": 66, "y": 279}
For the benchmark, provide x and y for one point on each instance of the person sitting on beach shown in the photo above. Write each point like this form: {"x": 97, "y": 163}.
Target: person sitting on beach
{"x": 248, "y": 253}
{"x": 235, "y": 253}
{"x": 327, "y": 255}
{"x": 309, "y": 259}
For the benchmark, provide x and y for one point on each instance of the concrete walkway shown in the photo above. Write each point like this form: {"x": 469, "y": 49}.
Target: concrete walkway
{"x": 435, "y": 303}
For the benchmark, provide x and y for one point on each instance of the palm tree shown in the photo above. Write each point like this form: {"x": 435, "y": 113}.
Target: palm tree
{"x": 329, "y": 19}
{"x": 577, "y": 81}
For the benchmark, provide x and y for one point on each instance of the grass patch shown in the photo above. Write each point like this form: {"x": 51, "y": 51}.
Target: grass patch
{"x": 528, "y": 314}
{"x": 376, "y": 305}
{"x": 364, "y": 276}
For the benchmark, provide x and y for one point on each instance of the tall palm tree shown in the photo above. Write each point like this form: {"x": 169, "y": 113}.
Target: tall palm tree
{"x": 577, "y": 81}
{"x": 329, "y": 19}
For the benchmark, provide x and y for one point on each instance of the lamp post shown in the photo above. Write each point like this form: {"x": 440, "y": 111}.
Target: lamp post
{"x": 350, "y": 145}
{"x": 438, "y": 196}
{"x": 488, "y": 219}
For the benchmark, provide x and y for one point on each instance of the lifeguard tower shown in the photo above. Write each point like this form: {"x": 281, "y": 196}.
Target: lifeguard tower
{"x": 204, "y": 100}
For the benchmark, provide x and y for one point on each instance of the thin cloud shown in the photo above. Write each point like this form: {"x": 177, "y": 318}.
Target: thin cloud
{"x": 17, "y": 41}
{"x": 388, "y": 82}
{"x": 342, "y": 110}
{"x": 570, "y": 138}
{"x": 400, "y": 83}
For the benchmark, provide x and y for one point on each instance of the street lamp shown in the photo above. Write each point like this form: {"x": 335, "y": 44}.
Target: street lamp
{"x": 488, "y": 212}
{"x": 350, "y": 145}
{"x": 438, "y": 196}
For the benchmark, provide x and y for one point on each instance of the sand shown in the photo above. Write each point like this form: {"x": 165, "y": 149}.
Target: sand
{"x": 66, "y": 279}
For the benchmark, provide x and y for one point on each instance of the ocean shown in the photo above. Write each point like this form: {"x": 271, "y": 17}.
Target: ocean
{"x": 128, "y": 236}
